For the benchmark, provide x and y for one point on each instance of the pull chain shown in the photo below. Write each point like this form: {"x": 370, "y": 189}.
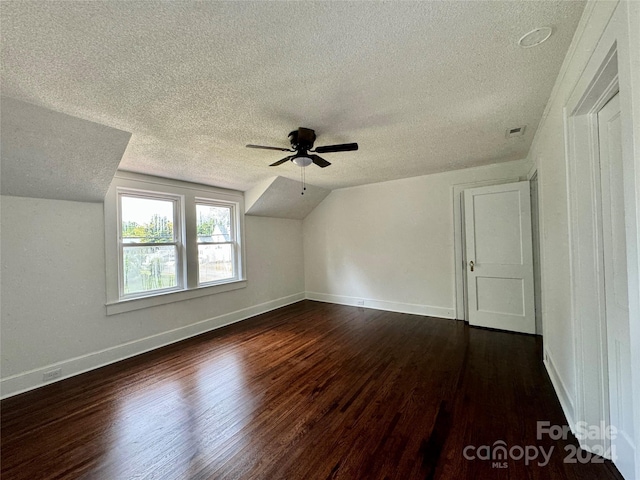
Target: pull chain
{"x": 303, "y": 180}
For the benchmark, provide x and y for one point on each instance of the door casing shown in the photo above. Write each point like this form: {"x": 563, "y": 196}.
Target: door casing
{"x": 599, "y": 82}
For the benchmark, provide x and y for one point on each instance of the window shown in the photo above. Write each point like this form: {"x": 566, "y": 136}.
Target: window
{"x": 168, "y": 240}
{"x": 216, "y": 242}
{"x": 149, "y": 244}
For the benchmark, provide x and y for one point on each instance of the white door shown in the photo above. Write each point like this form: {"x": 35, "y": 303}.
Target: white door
{"x": 499, "y": 257}
{"x": 615, "y": 285}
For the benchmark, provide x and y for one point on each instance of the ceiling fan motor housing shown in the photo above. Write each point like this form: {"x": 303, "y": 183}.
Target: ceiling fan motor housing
{"x": 302, "y": 139}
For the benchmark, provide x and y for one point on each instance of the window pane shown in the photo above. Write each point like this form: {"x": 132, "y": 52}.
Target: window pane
{"x": 215, "y": 262}
{"x": 146, "y": 220}
{"x": 149, "y": 268}
{"x": 214, "y": 223}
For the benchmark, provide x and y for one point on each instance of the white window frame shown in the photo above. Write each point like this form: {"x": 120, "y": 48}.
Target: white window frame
{"x": 177, "y": 201}
{"x": 186, "y": 196}
{"x": 233, "y": 234}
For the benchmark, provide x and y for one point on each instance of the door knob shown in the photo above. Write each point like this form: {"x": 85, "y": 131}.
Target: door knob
{"x": 471, "y": 264}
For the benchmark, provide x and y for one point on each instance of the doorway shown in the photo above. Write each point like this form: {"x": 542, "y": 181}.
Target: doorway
{"x": 498, "y": 249}
{"x": 598, "y": 263}
{"x": 614, "y": 261}
{"x": 535, "y": 234}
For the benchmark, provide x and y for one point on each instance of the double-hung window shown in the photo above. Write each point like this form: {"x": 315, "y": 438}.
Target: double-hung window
{"x": 168, "y": 240}
{"x": 216, "y": 241}
{"x": 150, "y": 243}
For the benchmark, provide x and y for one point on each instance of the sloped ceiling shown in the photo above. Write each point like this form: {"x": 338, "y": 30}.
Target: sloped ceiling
{"x": 47, "y": 154}
{"x": 423, "y": 87}
{"x": 283, "y": 198}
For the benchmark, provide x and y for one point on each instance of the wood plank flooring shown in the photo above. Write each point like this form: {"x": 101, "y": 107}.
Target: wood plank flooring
{"x": 309, "y": 391}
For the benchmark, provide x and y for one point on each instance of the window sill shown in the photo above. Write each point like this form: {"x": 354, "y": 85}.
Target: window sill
{"x": 122, "y": 306}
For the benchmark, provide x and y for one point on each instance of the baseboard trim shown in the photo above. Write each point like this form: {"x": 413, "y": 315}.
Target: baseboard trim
{"x": 32, "y": 379}
{"x": 561, "y": 391}
{"x": 415, "y": 309}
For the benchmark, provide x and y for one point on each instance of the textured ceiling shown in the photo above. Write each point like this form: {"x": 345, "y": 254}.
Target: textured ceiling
{"x": 423, "y": 87}
{"x": 44, "y": 154}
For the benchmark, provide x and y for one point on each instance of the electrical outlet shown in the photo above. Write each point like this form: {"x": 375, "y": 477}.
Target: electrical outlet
{"x": 360, "y": 303}
{"x": 51, "y": 375}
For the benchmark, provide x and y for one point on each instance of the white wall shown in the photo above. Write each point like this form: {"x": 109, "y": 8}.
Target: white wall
{"x": 549, "y": 154}
{"x": 53, "y": 291}
{"x": 391, "y": 244}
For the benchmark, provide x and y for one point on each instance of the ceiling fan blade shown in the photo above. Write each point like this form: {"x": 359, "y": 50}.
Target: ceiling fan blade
{"x": 280, "y": 149}
{"x": 319, "y": 161}
{"x": 344, "y": 147}
{"x": 280, "y": 162}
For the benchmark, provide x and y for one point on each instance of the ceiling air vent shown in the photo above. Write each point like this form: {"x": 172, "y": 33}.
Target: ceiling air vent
{"x": 516, "y": 131}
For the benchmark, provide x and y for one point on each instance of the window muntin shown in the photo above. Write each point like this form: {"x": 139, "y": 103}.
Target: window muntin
{"x": 217, "y": 243}
{"x": 150, "y": 243}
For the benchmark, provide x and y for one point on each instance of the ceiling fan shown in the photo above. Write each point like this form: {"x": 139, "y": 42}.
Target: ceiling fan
{"x": 302, "y": 143}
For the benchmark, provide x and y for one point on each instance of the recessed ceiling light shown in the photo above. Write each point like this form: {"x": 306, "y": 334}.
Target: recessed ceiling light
{"x": 535, "y": 37}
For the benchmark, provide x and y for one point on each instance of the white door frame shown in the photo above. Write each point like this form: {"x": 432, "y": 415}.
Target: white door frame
{"x": 536, "y": 245}
{"x": 587, "y": 280}
{"x": 460, "y": 263}
{"x": 608, "y": 71}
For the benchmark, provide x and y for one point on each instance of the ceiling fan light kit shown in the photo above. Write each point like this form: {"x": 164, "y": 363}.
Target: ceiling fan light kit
{"x": 302, "y": 161}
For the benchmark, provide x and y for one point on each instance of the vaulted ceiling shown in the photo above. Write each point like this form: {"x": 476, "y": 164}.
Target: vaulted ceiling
{"x": 423, "y": 87}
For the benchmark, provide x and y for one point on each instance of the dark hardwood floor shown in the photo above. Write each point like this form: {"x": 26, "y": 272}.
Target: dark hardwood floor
{"x": 309, "y": 391}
